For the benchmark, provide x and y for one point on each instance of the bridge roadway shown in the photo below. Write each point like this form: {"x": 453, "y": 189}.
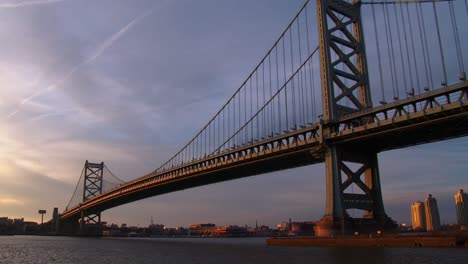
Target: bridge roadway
{"x": 433, "y": 116}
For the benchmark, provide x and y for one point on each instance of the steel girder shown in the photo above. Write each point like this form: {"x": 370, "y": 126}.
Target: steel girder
{"x": 344, "y": 76}
{"x": 92, "y": 188}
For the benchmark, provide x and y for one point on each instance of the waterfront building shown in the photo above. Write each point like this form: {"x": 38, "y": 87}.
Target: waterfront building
{"x": 461, "y": 200}
{"x": 418, "y": 216}
{"x": 432, "y": 213}
{"x": 201, "y": 229}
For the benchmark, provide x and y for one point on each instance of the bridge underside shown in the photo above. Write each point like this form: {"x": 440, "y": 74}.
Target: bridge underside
{"x": 411, "y": 132}
{"x": 262, "y": 165}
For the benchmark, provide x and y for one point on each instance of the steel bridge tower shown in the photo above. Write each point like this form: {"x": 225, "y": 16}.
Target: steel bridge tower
{"x": 93, "y": 173}
{"x": 344, "y": 76}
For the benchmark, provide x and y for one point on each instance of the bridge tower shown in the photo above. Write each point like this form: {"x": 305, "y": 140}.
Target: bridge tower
{"x": 90, "y": 221}
{"x": 344, "y": 77}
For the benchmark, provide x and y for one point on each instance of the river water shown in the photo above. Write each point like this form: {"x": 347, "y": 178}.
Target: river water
{"x": 35, "y": 249}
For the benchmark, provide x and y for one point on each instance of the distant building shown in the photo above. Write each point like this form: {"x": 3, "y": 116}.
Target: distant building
{"x": 418, "y": 216}
{"x": 230, "y": 231}
{"x": 201, "y": 229}
{"x": 432, "y": 213}
{"x": 461, "y": 203}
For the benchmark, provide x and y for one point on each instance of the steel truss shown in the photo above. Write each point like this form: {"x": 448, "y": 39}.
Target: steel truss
{"x": 345, "y": 77}
{"x": 92, "y": 188}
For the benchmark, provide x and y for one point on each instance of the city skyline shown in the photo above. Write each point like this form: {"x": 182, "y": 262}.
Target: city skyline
{"x": 109, "y": 95}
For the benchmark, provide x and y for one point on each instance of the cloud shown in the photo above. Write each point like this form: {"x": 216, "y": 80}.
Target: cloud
{"x": 108, "y": 43}
{"x": 10, "y": 201}
{"x": 98, "y": 52}
{"x": 28, "y": 3}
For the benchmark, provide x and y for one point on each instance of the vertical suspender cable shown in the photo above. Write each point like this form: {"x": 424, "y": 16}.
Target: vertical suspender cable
{"x": 444, "y": 82}
{"x": 410, "y": 25}
{"x": 389, "y": 47}
{"x": 393, "y": 60}
{"x": 292, "y": 80}
{"x": 378, "y": 53}
{"x": 457, "y": 42}
{"x": 278, "y": 87}
{"x": 246, "y": 136}
{"x": 286, "y": 88}
{"x": 307, "y": 97}
{"x": 411, "y": 92}
{"x": 301, "y": 99}
{"x": 240, "y": 111}
{"x": 401, "y": 51}
{"x": 421, "y": 37}
{"x": 428, "y": 57}
{"x": 251, "y": 110}
{"x": 263, "y": 92}
{"x": 310, "y": 68}
{"x": 256, "y": 110}
{"x": 272, "y": 114}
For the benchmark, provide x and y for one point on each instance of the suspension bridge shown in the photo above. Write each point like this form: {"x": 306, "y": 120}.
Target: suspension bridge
{"x": 344, "y": 81}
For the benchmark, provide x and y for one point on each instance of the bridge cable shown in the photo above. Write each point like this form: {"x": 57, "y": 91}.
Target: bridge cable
{"x": 246, "y": 136}
{"x": 413, "y": 48}
{"x": 273, "y": 125}
{"x": 271, "y": 99}
{"x": 310, "y": 69}
{"x": 257, "y": 118}
{"x": 285, "y": 90}
{"x": 422, "y": 37}
{"x": 113, "y": 175}
{"x": 306, "y": 106}
{"x": 444, "y": 82}
{"x": 378, "y": 54}
{"x": 411, "y": 91}
{"x": 401, "y": 50}
{"x": 197, "y": 143}
{"x": 76, "y": 187}
{"x": 251, "y": 110}
{"x": 301, "y": 86}
{"x": 457, "y": 41}
{"x": 293, "y": 82}
{"x": 393, "y": 60}
{"x": 277, "y": 88}
{"x": 263, "y": 93}
{"x": 389, "y": 47}
{"x": 234, "y": 119}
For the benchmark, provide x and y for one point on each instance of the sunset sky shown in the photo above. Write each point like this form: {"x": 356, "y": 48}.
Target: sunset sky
{"x": 128, "y": 82}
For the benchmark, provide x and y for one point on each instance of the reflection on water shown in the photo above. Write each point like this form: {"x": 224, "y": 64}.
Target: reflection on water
{"x": 29, "y": 249}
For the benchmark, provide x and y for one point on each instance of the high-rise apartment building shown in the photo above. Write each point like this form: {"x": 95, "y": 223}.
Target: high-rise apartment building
{"x": 432, "y": 213}
{"x": 461, "y": 203}
{"x": 418, "y": 216}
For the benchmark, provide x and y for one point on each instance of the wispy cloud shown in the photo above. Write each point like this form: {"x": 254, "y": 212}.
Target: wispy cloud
{"x": 10, "y": 201}
{"x": 17, "y": 4}
{"x": 51, "y": 114}
{"x": 98, "y": 52}
{"x": 108, "y": 43}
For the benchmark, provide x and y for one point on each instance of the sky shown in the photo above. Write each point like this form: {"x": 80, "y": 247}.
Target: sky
{"x": 129, "y": 82}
